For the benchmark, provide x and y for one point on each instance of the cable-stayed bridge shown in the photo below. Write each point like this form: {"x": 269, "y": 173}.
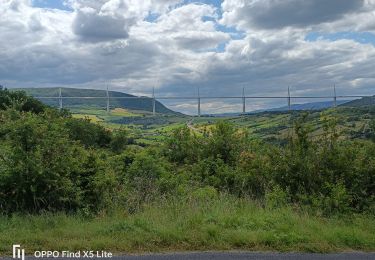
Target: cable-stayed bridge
{"x": 199, "y": 98}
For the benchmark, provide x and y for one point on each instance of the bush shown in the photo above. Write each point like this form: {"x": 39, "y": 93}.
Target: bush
{"x": 119, "y": 141}
{"x": 183, "y": 146}
{"x": 143, "y": 180}
{"x": 214, "y": 172}
{"x": 253, "y": 173}
{"x": 276, "y": 197}
{"x": 39, "y": 167}
{"x": 205, "y": 193}
{"x": 325, "y": 173}
{"x": 90, "y": 135}
{"x": 223, "y": 142}
{"x": 42, "y": 169}
{"x": 20, "y": 101}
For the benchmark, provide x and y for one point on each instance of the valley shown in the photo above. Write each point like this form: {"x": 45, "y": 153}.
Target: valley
{"x": 353, "y": 118}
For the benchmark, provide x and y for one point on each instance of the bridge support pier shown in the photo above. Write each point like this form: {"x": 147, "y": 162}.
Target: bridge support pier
{"x": 243, "y": 101}
{"x": 335, "y": 96}
{"x": 60, "y": 100}
{"x": 199, "y": 103}
{"x": 153, "y": 102}
{"x": 108, "y": 101}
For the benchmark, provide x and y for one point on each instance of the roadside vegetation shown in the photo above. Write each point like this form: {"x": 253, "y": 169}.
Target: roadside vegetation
{"x": 68, "y": 183}
{"x": 191, "y": 224}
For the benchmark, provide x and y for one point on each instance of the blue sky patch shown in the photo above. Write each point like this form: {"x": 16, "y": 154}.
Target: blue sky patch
{"x": 53, "y": 4}
{"x": 216, "y": 3}
{"x": 361, "y": 37}
{"x": 234, "y": 33}
{"x": 152, "y": 17}
{"x": 221, "y": 47}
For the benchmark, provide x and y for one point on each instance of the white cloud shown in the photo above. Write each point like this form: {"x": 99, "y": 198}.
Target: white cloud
{"x": 184, "y": 28}
{"x": 177, "y": 50}
{"x": 106, "y": 20}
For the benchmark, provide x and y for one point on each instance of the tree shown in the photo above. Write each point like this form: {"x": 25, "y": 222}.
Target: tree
{"x": 183, "y": 146}
{"x": 222, "y": 142}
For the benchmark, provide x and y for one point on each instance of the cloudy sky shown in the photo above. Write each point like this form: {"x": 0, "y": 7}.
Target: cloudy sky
{"x": 177, "y": 45}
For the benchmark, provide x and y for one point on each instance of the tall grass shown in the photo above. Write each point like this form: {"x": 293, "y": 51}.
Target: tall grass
{"x": 223, "y": 223}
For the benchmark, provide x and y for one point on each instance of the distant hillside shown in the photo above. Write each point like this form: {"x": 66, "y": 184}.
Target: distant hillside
{"x": 143, "y": 104}
{"x": 296, "y": 107}
{"x": 367, "y": 101}
{"x": 309, "y": 106}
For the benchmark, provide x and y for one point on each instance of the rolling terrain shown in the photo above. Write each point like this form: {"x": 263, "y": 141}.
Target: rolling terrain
{"x": 353, "y": 118}
{"x": 142, "y": 105}
{"x": 367, "y": 101}
{"x": 274, "y": 127}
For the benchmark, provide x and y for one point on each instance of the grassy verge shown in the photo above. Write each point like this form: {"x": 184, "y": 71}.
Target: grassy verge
{"x": 219, "y": 224}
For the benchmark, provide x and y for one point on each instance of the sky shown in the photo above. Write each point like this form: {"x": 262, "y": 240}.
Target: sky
{"x": 176, "y": 46}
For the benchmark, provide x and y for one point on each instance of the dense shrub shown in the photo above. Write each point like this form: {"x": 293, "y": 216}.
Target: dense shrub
{"x": 327, "y": 174}
{"x": 183, "y": 146}
{"x": 147, "y": 178}
{"x": 39, "y": 166}
{"x": 90, "y": 135}
{"x": 222, "y": 142}
{"x": 321, "y": 172}
{"x": 120, "y": 139}
{"x": 42, "y": 168}
{"x": 20, "y": 101}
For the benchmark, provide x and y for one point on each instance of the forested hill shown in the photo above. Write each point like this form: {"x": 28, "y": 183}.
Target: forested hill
{"x": 366, "y": 101}
{"x": 142, "y": 104}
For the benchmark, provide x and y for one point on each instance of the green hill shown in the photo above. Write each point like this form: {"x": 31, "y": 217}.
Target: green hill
{"x": 366, "y": 101}
{"x": 141, "y": 104}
